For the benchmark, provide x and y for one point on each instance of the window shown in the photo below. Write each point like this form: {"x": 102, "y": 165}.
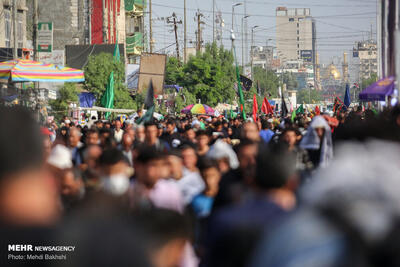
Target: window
{"x": 297, "y": 25}
{"x": 298, "y": 32}
{"x": 298, "y": 38}
{"x": 298, "y": 45}
{"x": 20, "y": 33}
{"x": 7, "y": 23}
{"x": 291, "y": 19}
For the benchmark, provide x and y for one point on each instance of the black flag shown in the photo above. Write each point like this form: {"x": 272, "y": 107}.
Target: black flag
{"x": 284, "y": 110}
{"x": 246, "y": 82}
{"x": 149, "y": 101}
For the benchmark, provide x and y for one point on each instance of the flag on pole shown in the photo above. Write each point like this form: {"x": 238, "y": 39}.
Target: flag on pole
{"x": 347, "y": 99}
{"x": 266, "y": 107}
{"x": 299, "y": 110}
{"x": 149, "y": 105}
{"x": 255, "y": 108}
{"x": 107, "y": 100}
{"x": 284, "y": 110}
{"x": 241, "y": 97}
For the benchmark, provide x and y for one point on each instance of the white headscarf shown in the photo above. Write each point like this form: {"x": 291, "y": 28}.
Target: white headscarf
{"x": 311, "y": 141}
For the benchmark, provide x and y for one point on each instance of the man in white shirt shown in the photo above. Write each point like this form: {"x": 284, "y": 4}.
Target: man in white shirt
{"x": 118, "y": 132}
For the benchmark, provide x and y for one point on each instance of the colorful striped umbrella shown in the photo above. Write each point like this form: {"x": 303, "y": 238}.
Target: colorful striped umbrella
{"x": 198, "y": 109}
{"x": 22, "y": 70}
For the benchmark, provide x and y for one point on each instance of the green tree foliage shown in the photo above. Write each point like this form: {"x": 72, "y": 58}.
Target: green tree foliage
{"x": 208, "y": 76}
{"x": 308, "y": 96}
{"x": 367, "y": 82}
{"x": 183, "y": 99}
{"x": 290, "y": 80}
{"x": 268, "y": 81}
{"x": 67, "y": 94}
{"x": 97, "y": 73}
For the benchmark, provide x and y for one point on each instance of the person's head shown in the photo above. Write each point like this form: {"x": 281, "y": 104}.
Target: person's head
{"x": 127, "y": 140}
{"x": 28, "y": 194}
{"x": 149, "y": 166}
{"x": 106, "y": 138}
{"x": 132, "y": 133}
{"x": 115, "y": 171}
{"x": 247, "y": 152}
{"x": 140, "y": 133}
{"x": 190, "y": 134}
{"x": 74, "y": 136}
{"x": 250, "y": 131}
{"x": 189, "y": 157}
{"x": 175, "y": 164}
{"x": 170, "y": 127}
{"x": 151, "y": 133}
{"x": 320, "y": 132}
{"x": 72, "y": 186}
{"x": 99, "y": 124}
{"x": 211, "y": 175}
{"x": 289, "y": 136}
{"x": 92, "y": 137}
{"x": 91, "y": 155}
{"x": 202, "y": 138}
{"x": 117, "y": 125}
{"x": 166, "y": 235}
{"x": 275, "y": 167}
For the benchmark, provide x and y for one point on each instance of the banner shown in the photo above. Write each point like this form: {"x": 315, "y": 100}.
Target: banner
{"x": 45, "y": 36}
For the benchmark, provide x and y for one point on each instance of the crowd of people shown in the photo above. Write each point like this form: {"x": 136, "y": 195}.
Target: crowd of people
{"x": 204, "y": 191}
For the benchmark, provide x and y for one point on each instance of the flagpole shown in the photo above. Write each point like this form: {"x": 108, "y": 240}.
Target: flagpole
{"x": 241, "y": 101}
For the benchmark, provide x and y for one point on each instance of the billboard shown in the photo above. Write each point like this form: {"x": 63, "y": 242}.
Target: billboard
{"x": 45, "y": 37}
{"x": 56, "y": 57}
{"x": 152, "y": 67}
{"x": 306, "y": 55}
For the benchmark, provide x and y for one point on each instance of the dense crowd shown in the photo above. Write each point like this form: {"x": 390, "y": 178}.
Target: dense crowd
{"x": 313, "y": 190}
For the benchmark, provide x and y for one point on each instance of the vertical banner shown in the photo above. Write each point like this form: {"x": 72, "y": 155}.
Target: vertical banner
{"x": 45, "y": 37}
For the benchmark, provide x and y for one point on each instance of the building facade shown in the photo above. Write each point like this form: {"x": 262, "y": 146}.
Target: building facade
{"x": 6, "y": 24}
{"x": 134, "y": 25}
{"x": 262, "y": 56}
{"x": 368, "y": 54}
{"x": 295, "y": 34}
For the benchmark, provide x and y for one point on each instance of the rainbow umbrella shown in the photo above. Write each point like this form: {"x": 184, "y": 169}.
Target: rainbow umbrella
{"x": 21, "y": 70}
{"x": 197, "y": 109}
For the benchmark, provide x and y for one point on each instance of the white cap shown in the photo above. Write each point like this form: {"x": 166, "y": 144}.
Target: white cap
{"x": 60, "y": 157}
{"x": 220, "y": 150}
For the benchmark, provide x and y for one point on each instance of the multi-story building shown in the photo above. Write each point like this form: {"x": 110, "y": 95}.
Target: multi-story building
{"x": 262, "y": 56}
{"x": 6, "y": 24}
{"x": 134, "y": 29}
{"x": 367, "y": 53}
{"x": 295, "y": 34}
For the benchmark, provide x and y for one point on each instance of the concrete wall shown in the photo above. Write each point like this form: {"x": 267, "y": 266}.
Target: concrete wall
{"x": 5, "y": 7}
{"x": 69, "y": 17}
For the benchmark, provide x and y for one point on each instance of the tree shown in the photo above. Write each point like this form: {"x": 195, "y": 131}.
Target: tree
{"x": 367, "y": 82}
{"x": 268, "y": 81}
{"x": 208, "y": 76}
{"x": 67, "y": 94}
{"x": 183, "y": 99}
{"x": 305, "y": 95}
{"x": 97, "y": 73}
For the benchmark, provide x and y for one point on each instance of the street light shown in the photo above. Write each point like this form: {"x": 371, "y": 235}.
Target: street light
{"x": 269, "y": 39}
{"x": 233, "y": 14}
{"x": 251, "y": 48}
{"x": 245, "y": 17}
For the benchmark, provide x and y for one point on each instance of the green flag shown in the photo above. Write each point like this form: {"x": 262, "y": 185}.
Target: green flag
{"x": 299, "y": 110}
{"x": 116, "y": 53}
{"x": 107, "y": 100}
{"x": 241, "y": 97}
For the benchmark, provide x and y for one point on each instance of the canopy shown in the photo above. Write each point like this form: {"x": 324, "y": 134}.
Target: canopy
{"x": 379, "y": 90}
{"x": 198, "y": 109}
{"x": 22, "y": 70}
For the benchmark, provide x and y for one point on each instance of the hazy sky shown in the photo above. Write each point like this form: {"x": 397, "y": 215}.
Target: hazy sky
{"x": 339, "y": 23}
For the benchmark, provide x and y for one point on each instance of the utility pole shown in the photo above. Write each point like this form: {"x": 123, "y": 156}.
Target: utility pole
{"x": 233, "y": 16}
{"x": 213, "y": 19}
{"x": 199, "y": 22}
{"x": 150, "y": 28}
{"x": 35, "y": 30}
{"x": 15, "y": 50}
{"x": 184, "y": 32}
{"x": 173, "y": 19}
{"x": 251, "y": 50}
{"x": 104, "y": 22}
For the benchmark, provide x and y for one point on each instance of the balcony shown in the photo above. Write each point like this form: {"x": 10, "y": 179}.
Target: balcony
{"x": 134, "y": 44}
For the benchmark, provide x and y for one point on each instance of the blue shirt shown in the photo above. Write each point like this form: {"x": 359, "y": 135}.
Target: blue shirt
{"x": 267, "y": 135}
{"x": 202, "y": 205}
